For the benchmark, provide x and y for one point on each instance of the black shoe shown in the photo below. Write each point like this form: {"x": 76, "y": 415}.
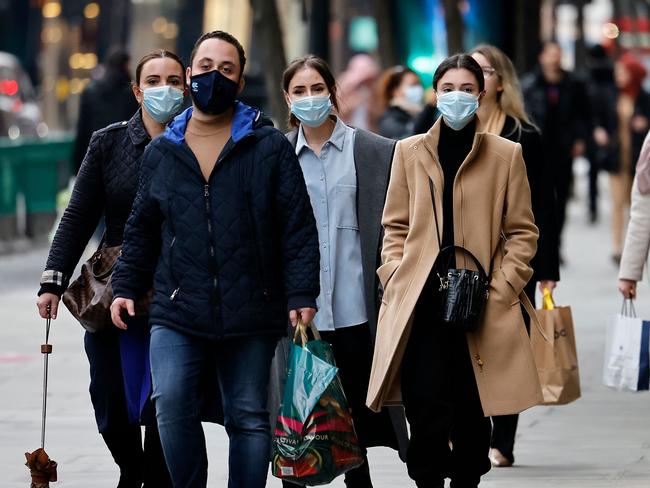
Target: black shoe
{"x": 430, "y": 484}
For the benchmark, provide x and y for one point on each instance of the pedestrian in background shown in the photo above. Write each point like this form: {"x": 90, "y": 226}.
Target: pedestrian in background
{"x": 502, "y": 111}
{"x": 455, "y": 181}
{"x": 224, "y": 199}
{"x": 105, "y": 100}
{"x": 637, "y": 240}
{"x": 557, "y": 103}
{"x": 346, "y": 171}
{"x": 401, "y": 96}
{"x": 601, "y": 146}
{"x": 357, "y": 86}
{"x": 107, "y": 184}
{"x": 632, "y": 116}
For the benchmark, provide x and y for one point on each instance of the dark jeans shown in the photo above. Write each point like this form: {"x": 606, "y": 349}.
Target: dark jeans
{"x": 504, "y": 427}
{"x": 442, "y": 404}
{"x": 123, "y": 439}
{"x": 177, "y": 361}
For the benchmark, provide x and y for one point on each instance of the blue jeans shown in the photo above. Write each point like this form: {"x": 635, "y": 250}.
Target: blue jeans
{"x": 177, "y": 364}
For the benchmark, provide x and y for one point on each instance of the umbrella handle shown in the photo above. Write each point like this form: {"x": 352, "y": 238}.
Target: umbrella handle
{"x": 46, "y": 350}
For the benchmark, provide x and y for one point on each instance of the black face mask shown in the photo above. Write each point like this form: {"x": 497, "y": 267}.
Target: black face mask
{"x": 212, "y": 92}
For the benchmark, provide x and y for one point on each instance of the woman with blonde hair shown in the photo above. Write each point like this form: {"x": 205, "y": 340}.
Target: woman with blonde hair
{"x": 502, "y": 110}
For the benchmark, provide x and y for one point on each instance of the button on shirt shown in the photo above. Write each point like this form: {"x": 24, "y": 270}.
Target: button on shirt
{"x": 331, "y": 180}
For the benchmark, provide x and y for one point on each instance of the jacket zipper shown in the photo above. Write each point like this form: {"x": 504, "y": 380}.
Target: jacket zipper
{"x": 172, "y": 297}
{"x": 206, "y": 194}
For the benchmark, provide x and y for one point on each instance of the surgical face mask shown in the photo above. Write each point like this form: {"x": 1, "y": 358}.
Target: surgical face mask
{"x": 457, "y": 108}
{"x": 414, "y": 94}
{"x": 163, "y": 103}
{"x": 212, "y": 92}
{"x": 312, "y": 111}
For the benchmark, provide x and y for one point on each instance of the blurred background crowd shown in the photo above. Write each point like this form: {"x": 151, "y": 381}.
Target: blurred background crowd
{"x": 58, "y": 58}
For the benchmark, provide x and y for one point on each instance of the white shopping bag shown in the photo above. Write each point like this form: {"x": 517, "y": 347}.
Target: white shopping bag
{"x": 627, "y": 352}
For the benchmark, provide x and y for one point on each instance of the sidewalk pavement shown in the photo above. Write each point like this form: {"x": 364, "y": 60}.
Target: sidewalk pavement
{"x": 602, "y": 440}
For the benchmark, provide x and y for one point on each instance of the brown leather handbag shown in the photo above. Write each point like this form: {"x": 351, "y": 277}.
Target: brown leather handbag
{"x": 89, "y": 297}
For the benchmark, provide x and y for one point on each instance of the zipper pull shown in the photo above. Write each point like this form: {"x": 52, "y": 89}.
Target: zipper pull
{"x": 174, "y": 293}
{"x": 206, "y": 189}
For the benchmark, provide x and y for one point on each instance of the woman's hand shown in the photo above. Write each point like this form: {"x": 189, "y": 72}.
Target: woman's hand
{"x": 305, "y": 314}
{"x": 117, "y": 306}
{"x": 549, "y": 285}
{"x": 48, "y": 305}
{"x": 627, "y": 288}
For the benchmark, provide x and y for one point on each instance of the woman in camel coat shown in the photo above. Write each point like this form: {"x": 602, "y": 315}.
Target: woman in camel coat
{"x": 450, "y": 380}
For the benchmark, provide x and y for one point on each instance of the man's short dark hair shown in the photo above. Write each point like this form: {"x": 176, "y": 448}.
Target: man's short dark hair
{"x": 224, "y": 36}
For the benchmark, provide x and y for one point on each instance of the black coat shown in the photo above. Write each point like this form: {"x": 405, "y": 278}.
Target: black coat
{"x": 605, "y": 114}
{"x": 546, "y": 263}
{"x": 395, "y": 123}
{"x": 570, "y": 121}
{"x": 106, "y": 184}
{"x": 236, "y": 252}
{"x": 103, "y": 102}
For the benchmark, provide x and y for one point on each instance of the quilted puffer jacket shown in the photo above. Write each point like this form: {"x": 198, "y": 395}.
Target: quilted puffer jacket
{"x": 236, "y": 252}
{"x": 107, "y": 183}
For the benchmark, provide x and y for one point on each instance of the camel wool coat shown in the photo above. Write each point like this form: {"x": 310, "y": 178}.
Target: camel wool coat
{"x": 493, "y": 220}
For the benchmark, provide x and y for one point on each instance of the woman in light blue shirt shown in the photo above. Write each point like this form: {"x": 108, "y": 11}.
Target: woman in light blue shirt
{"x": 346, "y": 171}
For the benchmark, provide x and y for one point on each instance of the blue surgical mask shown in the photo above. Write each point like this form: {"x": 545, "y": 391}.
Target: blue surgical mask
{"x": 414, "y": 94}
{"x": 163, "y": 103}
{"x": 312, "y": 111}
{"x": 457, "y": 108}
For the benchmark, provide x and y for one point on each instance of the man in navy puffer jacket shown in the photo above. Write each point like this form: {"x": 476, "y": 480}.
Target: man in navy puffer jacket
{"x": 223, "y": 227}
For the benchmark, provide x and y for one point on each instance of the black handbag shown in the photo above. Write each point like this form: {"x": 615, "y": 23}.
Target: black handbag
{"x": 462, "y": 293}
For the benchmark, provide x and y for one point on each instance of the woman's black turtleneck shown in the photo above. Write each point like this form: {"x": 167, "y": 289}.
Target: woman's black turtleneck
{"x": 453, "y": 148}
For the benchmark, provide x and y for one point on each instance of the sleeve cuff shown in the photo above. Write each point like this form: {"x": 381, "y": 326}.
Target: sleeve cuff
{"x": 51, "y": 288}
{"x": 301, "y": 301}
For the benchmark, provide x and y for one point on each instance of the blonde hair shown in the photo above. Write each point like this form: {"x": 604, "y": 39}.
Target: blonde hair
{"x": 510, "y": 98}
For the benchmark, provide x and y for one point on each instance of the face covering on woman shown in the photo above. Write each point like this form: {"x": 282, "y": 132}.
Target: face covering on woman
{"x": 457, "y": 108}
{"x": 163, "y": 103}
{"x": 312, "y": 111}
{"x": 212, "y": 92}
{"x": 414, "y": 94}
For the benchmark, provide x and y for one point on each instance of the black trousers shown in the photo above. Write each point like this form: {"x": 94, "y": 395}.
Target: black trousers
{"x": 353, "y": 351}
{"x": 123, "y": 439}
{"x": 563, "y": 181}
{"x": 504, "y": 427}
{"x": 442, "y": 405}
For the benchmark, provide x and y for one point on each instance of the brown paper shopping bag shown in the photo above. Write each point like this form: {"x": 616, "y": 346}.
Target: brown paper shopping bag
{"x": 557, "y": 358}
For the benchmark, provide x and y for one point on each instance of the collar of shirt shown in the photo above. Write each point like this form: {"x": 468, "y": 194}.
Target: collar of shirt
{"x": 337, "y": 138}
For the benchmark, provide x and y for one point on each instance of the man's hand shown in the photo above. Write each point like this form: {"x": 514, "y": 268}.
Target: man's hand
{"x": 48, "y": 305}
{"x": 305, "y": 314}
{"x": 627, "y": 288}
{"x": 547, "y": 284}
{"x": 117, "y": 306}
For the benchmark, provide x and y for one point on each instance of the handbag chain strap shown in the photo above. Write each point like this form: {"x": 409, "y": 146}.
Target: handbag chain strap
{"x": 444, "y": 280}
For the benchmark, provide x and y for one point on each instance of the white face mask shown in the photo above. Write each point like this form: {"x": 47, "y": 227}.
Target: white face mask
{"x": 414, "y": 94}
{"x": 457, "y": 108}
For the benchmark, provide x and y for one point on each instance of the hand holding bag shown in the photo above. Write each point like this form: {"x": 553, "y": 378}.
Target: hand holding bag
{"x": 555, "y": 353}
{"x": 627, "y": 351}
{"x": 89, "y": 297}
{"x": 314, "y": 440}
{"x": 462, "y": 293}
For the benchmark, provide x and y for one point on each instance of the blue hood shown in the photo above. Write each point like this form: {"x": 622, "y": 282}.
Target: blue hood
{"x": 243, "y": 123}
